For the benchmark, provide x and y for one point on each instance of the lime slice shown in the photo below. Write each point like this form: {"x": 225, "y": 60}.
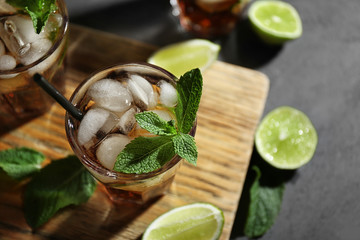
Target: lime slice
{"x": 200, "y": 221}
{"x": 181, "y": 57}
{"x": 275, "y": 21}
{"x": 286, "y": 138}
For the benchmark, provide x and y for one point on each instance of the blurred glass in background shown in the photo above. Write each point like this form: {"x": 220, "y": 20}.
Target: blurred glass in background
{"x": 208, "y": 18}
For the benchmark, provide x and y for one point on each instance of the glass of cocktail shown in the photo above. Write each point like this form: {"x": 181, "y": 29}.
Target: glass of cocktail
{"x": 23, "y": 52}
{"x": 109, "y": 99}
{"x": 209, "y": 18}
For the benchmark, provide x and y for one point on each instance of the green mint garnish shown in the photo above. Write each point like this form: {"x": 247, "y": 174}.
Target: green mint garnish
{"x": 19, "y": 163}
{"x": 185, "y": 147}
{"x": 39, "y": 10}
{"x": 61, "y": 183}
{"x": 265, "y": 204}
{"x": 146, "y": 154}
{"x": 189, "y": 90}
{"x": 153, "y": 123}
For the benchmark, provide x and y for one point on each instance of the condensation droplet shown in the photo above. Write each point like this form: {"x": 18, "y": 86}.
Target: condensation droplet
{"x": 269, "y": 157}
{"x": 276, "y": 19}
{"x": 283, "y": 135}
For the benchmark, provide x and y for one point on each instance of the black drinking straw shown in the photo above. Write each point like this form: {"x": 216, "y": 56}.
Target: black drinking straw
{"x": 55, "y": 94}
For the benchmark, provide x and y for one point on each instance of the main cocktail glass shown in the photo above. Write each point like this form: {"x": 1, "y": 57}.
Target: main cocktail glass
{"x": 113, "y": 96}
{"x": 24, "y": 53}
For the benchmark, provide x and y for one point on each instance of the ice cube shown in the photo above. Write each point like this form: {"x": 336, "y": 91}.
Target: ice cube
{"x": 2, "y": 48}
{"x": 36, "y": 51}
{"x": 7, "y": 62}
{"x": 54, "y": 22}
{"x": 168, "y": 94}
{"x": 52, "y": 59}
{"x": 148, "y": 89}
{"x": 18, "y": 33}
{"x": 127, "y": 121}
{"x": 25, "y": 27}
{"x": 110, "y": 148}
{"x": 142, "y": 82}
{"x": 110, "y": 94}
{"x": 96, "y": 123}
{"x": 139, "y": 95}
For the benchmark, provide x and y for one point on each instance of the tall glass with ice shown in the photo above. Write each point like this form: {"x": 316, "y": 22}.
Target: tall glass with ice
{"x": 110, "y": 99}
{"x": 23, "y": 53}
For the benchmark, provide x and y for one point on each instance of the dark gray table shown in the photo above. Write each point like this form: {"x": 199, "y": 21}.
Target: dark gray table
{"x": 318, "y": 74}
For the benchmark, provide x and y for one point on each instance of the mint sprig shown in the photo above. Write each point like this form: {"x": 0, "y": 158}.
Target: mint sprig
{"x": 189, "y": 90}
{"x": 39, "y": 10}
{"x": 265, "y": 204}
{"x": 153, "y": 123}
{"x": 22, "y": 162}
{"x": 61, "y": 183}
{"x": 146, "y": 154}
{"x": 185, "y": 147}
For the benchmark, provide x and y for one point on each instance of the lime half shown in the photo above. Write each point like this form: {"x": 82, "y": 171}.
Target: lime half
{"x": 200, "y": 221}
{"x": 275, "y": 21}
{"x": 286, "y": 138}
{"x": 181, "y": 57}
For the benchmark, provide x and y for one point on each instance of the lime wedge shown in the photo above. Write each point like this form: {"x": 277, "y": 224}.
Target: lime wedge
{"x": 200, "y": 221}
{"x": 184, "y": 56}
{"x": 275, "y": 21}
{"x": 286, "y": 138}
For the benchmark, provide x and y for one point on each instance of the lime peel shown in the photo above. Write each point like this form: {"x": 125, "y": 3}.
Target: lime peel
{"x": 286, "y": 138}
{"x": 181, "y": 57}
{"x": 275, "y": 21}
{"x": 202, "y": 221}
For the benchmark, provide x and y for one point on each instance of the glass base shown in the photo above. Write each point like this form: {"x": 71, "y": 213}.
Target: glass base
{"x": 120, "y": 196}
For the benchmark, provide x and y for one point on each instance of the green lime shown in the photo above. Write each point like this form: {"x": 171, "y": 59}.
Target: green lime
{"x": 275, "y": 21}
{"x": 286, "y": 138}
{"x": 200, "y": 221}
{"x": 178, "y": 58}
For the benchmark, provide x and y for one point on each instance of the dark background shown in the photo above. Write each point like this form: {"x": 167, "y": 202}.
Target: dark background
{"x": 318, "y": 74}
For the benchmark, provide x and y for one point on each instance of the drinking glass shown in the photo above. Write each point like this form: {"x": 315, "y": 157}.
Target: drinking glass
{"x": 122, "y": 187}
{"x": 20, "y": 97}
{"x": 208, "y": 18}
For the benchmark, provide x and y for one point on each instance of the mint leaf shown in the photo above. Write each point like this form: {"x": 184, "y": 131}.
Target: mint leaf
{"x": 265, "y": 204}
{"x": 61, "y": 183}
{"x": 151, "y": 122}
{"x": 145, "y": 154}
{"x": 189, "y": 89}
{"x": 39, "y": 10}
{"x": 185, "y": 147}
{"x": 19, "y": 163}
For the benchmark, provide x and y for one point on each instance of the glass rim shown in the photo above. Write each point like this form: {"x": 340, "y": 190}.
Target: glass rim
{"x": 61, "y": 36}
{"x": 121, "y": 64}
{"x": 97, "y": 167}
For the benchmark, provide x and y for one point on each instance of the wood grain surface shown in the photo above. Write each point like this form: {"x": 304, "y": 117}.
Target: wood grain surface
{"x": 231, "y": 106}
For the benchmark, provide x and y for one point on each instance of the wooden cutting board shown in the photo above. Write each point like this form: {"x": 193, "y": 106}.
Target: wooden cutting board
{"x": 231, "y": 106}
